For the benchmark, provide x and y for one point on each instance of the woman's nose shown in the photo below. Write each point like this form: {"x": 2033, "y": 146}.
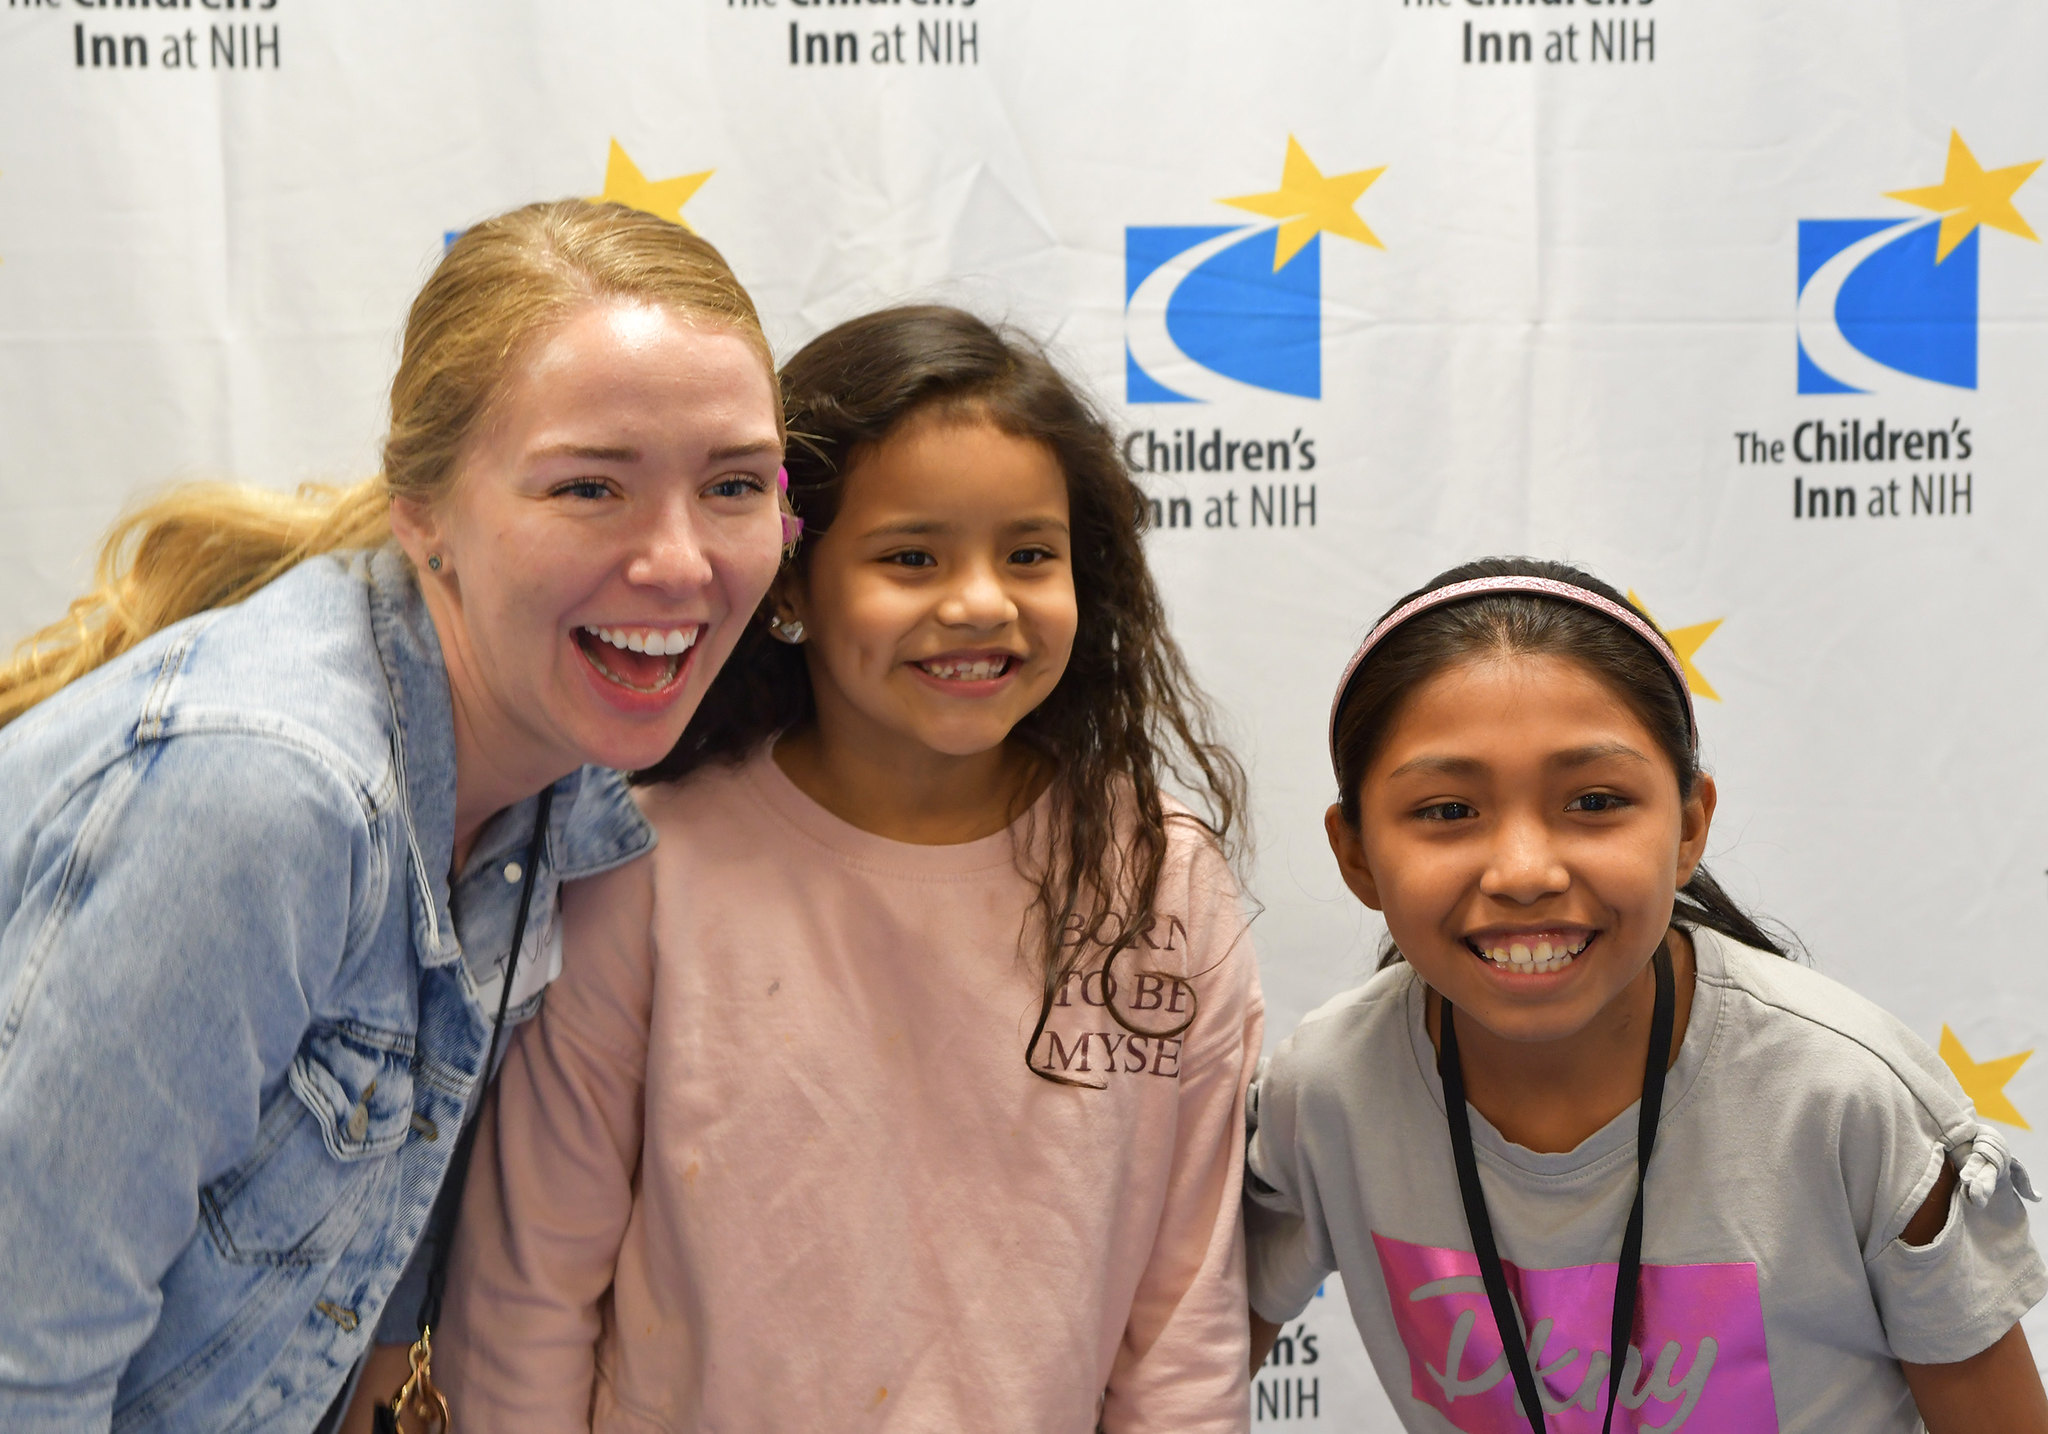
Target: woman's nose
{"x": 670, "y": 552}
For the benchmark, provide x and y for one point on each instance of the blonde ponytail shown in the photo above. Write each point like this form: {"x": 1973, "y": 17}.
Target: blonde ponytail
{"x": 505, "y": 281}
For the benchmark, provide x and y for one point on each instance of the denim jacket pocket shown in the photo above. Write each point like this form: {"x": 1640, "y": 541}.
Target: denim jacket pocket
{"x": 350, "y": 1102}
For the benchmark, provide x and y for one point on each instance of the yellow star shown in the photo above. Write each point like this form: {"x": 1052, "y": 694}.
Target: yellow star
{"x": 1969, "y": 195}
{"x": 1984, "y": 1081}
{"x": 1686, "y": 642}
{"x": 1311, "y": 202}
{"x": 663, "y": 198}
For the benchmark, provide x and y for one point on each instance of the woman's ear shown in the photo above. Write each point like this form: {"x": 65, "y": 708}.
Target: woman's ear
{"x": 418, "y": 532}
{"x": 1347, "y": 844}
{"x": 1695, "y": 819}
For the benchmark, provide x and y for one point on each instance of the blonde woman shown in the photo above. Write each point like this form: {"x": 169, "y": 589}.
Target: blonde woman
{"x": 278, "y": 796}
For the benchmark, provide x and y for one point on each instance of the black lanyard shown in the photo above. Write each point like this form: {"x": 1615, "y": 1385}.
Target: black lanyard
{"x": 1625, "y": 1278}
{"x": 419, "y": 1391}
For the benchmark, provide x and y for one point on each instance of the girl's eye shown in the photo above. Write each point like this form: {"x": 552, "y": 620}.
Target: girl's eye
{"x": 1597, "y": 802}
{"x": 913, "y": 558}
{"x": 1448, "y": 812}
{"x": 1031, "y": 557}
{"x": 590, "y": 488}
{"x": 737, "y": 486}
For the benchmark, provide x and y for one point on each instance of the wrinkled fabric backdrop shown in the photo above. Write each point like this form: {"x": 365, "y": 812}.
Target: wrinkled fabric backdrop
{"x": 1738, "y": 303}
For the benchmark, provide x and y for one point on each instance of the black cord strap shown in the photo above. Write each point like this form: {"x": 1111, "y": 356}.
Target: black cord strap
{"x": 1513, "y": 1339}
{"x": 449, "y": 1207}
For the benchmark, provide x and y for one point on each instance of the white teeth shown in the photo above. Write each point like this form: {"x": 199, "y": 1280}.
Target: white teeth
{"x": 1535, "y": 958}
{"x": 979, "y": 670}
{"x": 658, "y": 644}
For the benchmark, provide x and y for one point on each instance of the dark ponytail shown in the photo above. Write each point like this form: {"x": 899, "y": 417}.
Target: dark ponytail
{"x": 1531, "y": 624}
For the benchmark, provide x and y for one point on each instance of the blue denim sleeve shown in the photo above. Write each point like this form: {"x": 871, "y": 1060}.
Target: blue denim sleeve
{"x": 182, "y": 915}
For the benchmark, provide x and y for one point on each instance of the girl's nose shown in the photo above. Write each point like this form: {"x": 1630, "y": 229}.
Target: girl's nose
{"x": 670, "y": 553}
{"x": 978, "y": 599}
{"x": 1523, "y": 865}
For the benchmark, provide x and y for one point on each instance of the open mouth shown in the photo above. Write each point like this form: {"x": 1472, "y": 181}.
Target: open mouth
{"x": 644, "y": 660}
{"x": 968, "y": 669}
{"x": 1531, "y": 954}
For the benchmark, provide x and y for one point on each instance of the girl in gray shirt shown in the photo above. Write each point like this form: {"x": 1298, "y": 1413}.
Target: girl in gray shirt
{"x": 1814, "y": 1229}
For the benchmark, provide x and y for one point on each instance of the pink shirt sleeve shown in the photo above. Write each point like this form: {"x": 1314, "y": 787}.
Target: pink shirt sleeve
{"x": 551, "y": 1183}
{"x": 1184, "y": 1362}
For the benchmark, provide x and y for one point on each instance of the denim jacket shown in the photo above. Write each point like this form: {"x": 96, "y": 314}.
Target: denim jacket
{"x": 242, "y": 1012}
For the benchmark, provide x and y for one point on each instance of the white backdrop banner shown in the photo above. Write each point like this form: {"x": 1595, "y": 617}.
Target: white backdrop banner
{"x": 1738, "y": 302}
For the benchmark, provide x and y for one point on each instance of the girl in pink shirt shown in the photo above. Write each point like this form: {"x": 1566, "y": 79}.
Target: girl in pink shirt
{"x": 902, "y": 1087}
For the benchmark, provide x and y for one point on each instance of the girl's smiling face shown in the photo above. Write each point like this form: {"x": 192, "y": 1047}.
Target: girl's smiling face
{"x": 940, "y": 603}
{"x": 1523, "y": 833}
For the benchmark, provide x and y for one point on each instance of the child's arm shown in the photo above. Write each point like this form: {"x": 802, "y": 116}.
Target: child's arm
{"x": 1264, "y": 1335}
{"x": 1998, "y": 1389}
{"x": 551, "y": 1184}
{"x": 1183, "y": 1366}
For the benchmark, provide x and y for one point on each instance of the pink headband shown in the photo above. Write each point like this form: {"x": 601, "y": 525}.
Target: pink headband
{"x": 1541, "y": 587}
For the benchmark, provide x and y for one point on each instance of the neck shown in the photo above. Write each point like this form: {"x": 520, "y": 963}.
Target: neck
{"x": 1549, "y": 1096}
{"x": 497, "y": 761}
{"x": 486, "y": 784}
{"x": 919, "y": 796}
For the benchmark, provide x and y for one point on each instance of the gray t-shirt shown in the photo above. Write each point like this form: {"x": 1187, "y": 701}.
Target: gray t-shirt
{"x": 1802, "y": 1129}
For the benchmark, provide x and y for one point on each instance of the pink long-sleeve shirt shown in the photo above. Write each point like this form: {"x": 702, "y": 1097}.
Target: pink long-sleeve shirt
{"x": 770, "y": 1158}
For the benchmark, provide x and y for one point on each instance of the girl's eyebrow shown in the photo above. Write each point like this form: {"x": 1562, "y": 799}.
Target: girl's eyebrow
{"x": 1439, "y": 766}
{"x": 920, "y": 527}
{"x": 908, "y": 528}
{"x": 1449, "y": 766}
{"x": 1597, "y": 752}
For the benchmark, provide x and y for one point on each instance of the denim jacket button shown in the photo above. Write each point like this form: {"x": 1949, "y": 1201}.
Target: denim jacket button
{"x": 513, "y": 871}
{"x": 359, "y": 1121}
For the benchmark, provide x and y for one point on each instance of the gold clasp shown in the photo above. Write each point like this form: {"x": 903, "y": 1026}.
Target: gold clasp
{"x": 419, "y": 1407}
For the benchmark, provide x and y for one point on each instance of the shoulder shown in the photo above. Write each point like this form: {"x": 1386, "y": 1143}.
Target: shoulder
{"x": 718, "y": 797}
{"x": 1843, "y": 1049}
{"x": 1197, "y": 870}
{"x": 297, "y": 662}
{"x": 1332, "y": 1041}
{"x": 294, "y": 665}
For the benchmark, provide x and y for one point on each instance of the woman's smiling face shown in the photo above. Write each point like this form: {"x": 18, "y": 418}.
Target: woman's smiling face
{"x": 611, "y": 529}
{"x": 1523, "y": 833}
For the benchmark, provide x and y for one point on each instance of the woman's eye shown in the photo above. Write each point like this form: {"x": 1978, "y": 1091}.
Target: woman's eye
{"x": 1597, "y": 802}
{"x": 584, "y": 488}
{"x": 1447, "y": 812}
{"x": 737, "y": 486}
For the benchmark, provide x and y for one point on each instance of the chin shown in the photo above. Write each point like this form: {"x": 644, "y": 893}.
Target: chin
{"x": 605, "y": 744}
{"x": 965, "y": 744}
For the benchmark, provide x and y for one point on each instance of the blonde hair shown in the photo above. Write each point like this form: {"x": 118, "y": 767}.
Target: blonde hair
{"x": 500, "y": 285}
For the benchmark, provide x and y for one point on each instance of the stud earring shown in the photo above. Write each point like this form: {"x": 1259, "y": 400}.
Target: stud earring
{"x": 791, "y": 632}
{"x": 434, "y": 562}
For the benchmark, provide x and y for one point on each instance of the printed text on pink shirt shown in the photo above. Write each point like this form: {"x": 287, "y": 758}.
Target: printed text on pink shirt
{"x": 1155, "y": 1006}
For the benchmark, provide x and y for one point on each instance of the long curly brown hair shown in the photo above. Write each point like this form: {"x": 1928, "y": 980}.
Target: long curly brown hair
{"x": 1126, "y": 719}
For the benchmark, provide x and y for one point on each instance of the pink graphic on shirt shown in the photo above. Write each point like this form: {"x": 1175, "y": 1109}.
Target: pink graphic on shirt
{"x": 1698, "y": 1360}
